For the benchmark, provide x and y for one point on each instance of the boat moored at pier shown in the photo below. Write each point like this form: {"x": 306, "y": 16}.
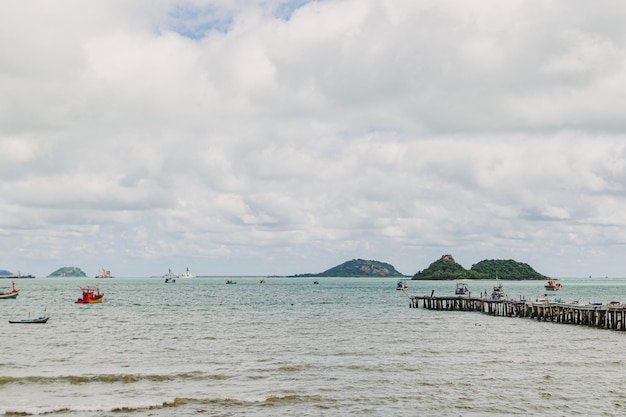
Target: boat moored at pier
{"x": 461, "y": 288}
{"x": 498, "y": 292}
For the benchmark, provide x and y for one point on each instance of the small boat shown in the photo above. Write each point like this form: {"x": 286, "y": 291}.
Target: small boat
{"x": 461, "y": 289}
{"x": 104, "y": 274}
{"x": 41, "y": 320}
{"x": 91, "y": 295}
{"x": 262, "y": 281}
{"x": 316, "y": 282}
{"x": 9, "y": 294}
{"x": 228, "y": 281}
{"x": 498, "y": 292}
{"x": 552, "y": 285}
{"x": 187, "y": 274}
{"x": 170, "y": 278}
{"x": 401, "y": 286}
{"x": 545, "y": 298}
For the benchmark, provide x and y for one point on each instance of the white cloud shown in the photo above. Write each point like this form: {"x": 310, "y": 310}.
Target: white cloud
{"x": 287, "y": 137}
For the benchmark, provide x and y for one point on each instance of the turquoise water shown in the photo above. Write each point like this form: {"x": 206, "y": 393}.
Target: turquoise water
{"x": 345, "y": 347}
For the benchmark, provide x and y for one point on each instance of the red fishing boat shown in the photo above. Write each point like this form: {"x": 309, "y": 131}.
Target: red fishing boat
{"x": 9, "y": 294}
{"x": 90, "y": 295}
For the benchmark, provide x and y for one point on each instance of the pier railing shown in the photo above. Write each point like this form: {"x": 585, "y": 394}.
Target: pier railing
{"x": 608, "y": 316}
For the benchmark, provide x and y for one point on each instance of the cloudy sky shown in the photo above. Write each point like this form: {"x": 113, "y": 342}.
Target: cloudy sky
{"x": 261, "y": 137}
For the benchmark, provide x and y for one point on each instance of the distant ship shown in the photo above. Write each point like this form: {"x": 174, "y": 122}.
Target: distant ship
{"x": 104, "y": 274}
{"x": 18, "y": 276}
{"x": 187, "y": 274}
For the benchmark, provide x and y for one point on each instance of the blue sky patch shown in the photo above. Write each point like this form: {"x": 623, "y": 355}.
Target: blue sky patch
{"x": 287, "y": 8}
{"x": 195, "y": 22}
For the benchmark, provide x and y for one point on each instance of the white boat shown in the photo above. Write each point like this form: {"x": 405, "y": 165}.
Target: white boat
{"x": 546, "y": 298}
{"x": 187, "y": 274}
{"x": 553, "y": 285}
{"x": 170, "y": 278}
{"x": 498, "y": 292}
{"x": 461, "y": 288}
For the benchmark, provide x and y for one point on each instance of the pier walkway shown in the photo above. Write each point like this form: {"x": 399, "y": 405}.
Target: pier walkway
{"x": 608, "y": 316}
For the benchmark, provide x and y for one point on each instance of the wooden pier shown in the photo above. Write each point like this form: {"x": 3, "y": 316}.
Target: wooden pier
{"x": 607, "y": 316}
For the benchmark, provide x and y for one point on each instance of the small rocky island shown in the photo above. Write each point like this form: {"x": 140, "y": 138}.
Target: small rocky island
{"x": 446, "y": 268}
{"x": 358, "y": 268}
{"x": 68, "y": 271}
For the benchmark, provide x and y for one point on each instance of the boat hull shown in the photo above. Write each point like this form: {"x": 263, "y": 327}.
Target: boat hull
{"x": 39, "y": 320}
{"x": 95, "y": 301}
{"x": 9, "y": 295}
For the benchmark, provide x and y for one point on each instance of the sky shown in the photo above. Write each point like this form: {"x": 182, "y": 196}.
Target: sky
{"x": 274, "y": 137}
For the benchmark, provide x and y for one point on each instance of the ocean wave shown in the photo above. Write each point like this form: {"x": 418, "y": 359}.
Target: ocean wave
{"x": 275, "y": 400}
{"x": 175, "y": 403}
{"x": 106, "y": 378}
{"x": 36, "y": 412}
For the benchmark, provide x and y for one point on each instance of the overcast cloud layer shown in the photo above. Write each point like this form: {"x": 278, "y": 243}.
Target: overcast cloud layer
{"x": 282, "y": 137}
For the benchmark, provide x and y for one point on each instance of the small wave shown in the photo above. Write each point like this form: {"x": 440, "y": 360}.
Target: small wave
{"x": 105, "y": 378}
{"x": 181, "y": 402}
{"x": 38, "y": 412}
{"x": 276, "y": 400}
{"x": 175, "y": 403}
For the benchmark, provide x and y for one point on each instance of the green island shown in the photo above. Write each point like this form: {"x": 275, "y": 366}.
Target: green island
{"x": 446, "y": 268}
{"x": 68, "y": 271}
{"x": 358, "y": 268}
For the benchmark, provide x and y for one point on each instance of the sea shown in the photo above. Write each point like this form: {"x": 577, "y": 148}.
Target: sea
{"x": 289, "y": 347}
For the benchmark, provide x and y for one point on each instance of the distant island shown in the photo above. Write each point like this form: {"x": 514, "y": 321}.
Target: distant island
{"x": 358, "y": 268}
{"x": 446, "y": 268}
{"x": 68, "y": 271}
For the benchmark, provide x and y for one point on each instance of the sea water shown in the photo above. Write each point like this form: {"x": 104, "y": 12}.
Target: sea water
{"x": 288, "y": 347}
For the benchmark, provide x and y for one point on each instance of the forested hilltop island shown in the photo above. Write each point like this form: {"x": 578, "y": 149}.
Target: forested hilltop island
{"x": 68, "y": 271}
{"x": 358, "y": 268}
{"x": 446, "y": 268}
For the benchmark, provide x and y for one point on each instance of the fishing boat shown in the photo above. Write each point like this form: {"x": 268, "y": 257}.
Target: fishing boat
{"x": 401, "y": 286}
{"x": 13, "y": 293}
{"x": 170, "y": 278}
{"x": 91, "y": 295}
{"x": 229, "y": 281}
{"x": 461, "y": 288}
{"x": 498, "y": 292}
{"x": 553, "y": 285}
{"x": 187, "y": 274}
{"x": 104, "y": 274}
{"x": 41, "y": 320}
